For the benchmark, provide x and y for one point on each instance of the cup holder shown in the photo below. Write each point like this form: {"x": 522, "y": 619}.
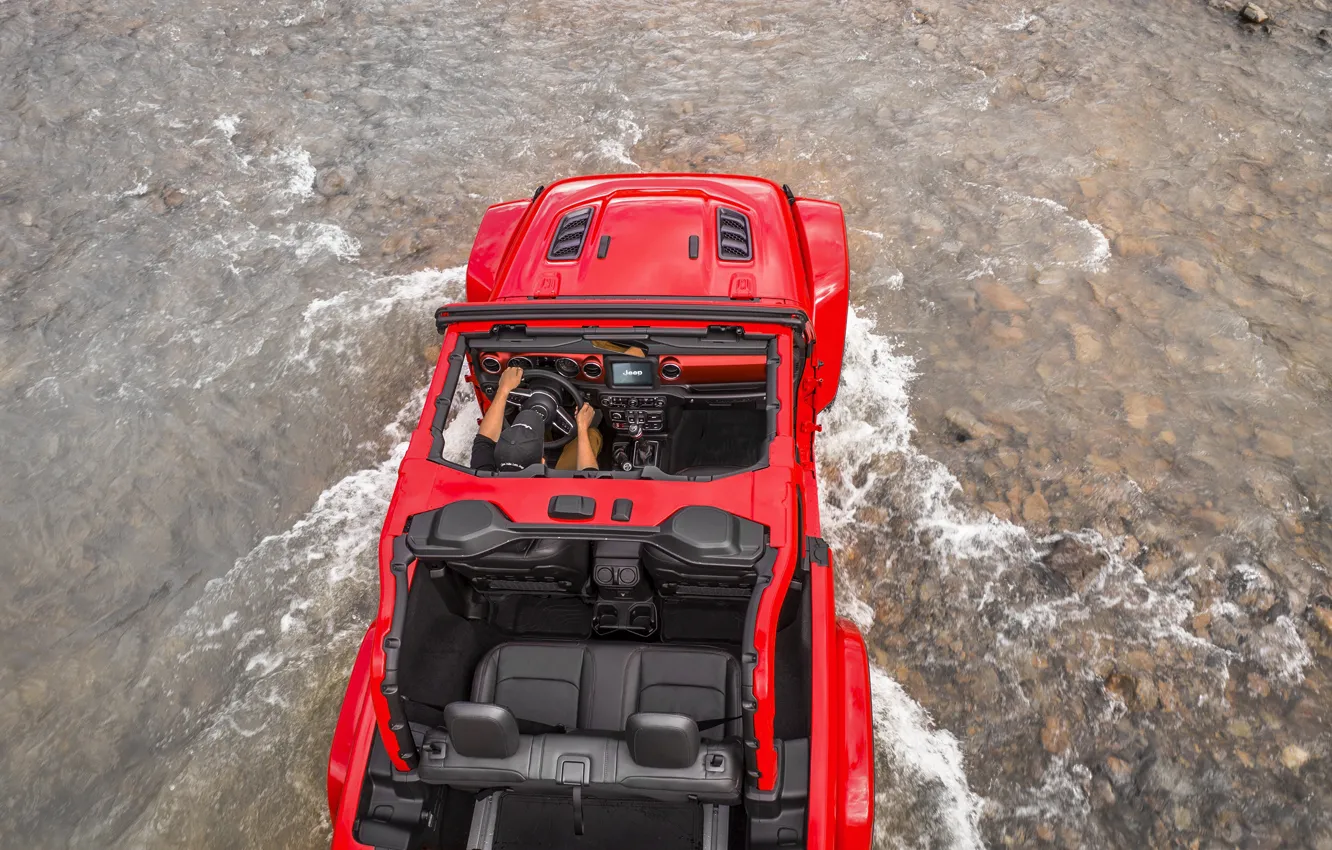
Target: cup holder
{"x": 632, "y": 616}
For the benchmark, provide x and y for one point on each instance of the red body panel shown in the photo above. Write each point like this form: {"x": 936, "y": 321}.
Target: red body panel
{"x": 823, "y": 240}
{"x": 492, "y": 239}
{"x": 800, "y": 262}
{"x": 650, "y": 219}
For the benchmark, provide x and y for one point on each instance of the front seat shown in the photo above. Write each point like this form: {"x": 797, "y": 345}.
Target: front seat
{"x": 543, "y": 566}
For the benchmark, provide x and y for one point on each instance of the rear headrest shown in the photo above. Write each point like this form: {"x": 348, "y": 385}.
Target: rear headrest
{"x": 662, "y": 740}
{"x": 481, "y": 730}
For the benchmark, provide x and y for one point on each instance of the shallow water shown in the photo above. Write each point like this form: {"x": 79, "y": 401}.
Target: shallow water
{"x": 1078, "y": 470}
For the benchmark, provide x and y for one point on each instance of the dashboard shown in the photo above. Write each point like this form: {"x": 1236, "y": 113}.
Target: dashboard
{"x": 640, "y": 394}
{"x": 623, "y": 371}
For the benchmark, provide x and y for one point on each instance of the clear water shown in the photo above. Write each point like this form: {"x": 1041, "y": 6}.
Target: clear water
{"x": 1090, "y": 246}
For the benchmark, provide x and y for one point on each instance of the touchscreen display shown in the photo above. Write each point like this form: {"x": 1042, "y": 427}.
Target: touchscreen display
{"x": 633, "y": 373}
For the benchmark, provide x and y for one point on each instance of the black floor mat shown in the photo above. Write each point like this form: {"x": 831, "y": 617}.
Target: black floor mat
{"x": 703, "y": 622}
{"x": 547, "y": 823}
{"x": 545, "y": 616}
{"x": 718, "y": 438}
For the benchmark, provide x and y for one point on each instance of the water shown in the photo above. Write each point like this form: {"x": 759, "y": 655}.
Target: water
{"x": 1078, "y": 470}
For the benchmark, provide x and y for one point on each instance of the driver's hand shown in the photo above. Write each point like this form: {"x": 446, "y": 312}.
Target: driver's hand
{"x": 512, "y": 377}
{"x": 586, "y": 413}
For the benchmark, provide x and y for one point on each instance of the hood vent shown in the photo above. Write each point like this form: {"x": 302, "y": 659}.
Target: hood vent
{"x": 570, "y": 236}
{"x": 733, "y": 241}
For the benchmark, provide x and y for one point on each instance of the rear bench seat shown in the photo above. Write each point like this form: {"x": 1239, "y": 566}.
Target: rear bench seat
{"x": 632, "y": 715}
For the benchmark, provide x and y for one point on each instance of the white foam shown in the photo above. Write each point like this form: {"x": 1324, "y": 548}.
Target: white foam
{"x": 322, "y": 237}
{"x": 300, "y": 182}
{"x": 871, "y": 418}
{"x": 1059, "y": 797}
{"x": 617, "y": 149}
{"x": 1095, "y": 245}
{"x": 924, "y": 757}
{"x": 1024, "y": 20}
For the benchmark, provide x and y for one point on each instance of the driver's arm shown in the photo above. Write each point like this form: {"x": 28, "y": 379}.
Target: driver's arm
{"x": 493, "y": 422}
{"x": 586, "y": 459}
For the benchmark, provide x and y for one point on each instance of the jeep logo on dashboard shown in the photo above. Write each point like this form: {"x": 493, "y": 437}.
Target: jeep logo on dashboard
{"x": 630, "y": 375}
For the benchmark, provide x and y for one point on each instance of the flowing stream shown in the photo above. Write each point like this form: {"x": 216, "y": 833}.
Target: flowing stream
{"x": 1078, "y": 475}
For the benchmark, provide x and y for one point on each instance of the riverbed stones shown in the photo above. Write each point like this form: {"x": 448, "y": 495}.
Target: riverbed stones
{"x": 1073, "y": 561}
{"x": 1191, "y": 274}
{"x": 1274, "y": 443}
{"x": 1254, "y": 14}
{"x": 334, "y": 181}
{"x": 1294, "y": 757}
{"x": 996, "y": 296}
{"x": 1035, "y": 509}
{"x": 1055, "y": 735}
{"x": 967, "y": 425}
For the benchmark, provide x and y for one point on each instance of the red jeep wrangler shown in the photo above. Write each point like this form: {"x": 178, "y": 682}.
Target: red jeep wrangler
{"x": 642, "y": 655}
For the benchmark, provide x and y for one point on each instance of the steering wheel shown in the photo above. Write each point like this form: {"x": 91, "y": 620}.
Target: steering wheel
{"x": 548, "y": 401}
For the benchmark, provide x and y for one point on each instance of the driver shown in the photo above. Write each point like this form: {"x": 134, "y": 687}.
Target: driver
{"x": 520, "y": 445}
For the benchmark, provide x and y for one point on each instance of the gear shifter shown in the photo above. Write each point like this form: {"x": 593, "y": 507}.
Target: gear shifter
{"x": 620, "y": 457}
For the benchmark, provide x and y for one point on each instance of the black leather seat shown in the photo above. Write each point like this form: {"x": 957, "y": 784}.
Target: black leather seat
{"x": 597, "y": 686}
{"x": 655, "y": 722}
{"x": 545, "y": 566}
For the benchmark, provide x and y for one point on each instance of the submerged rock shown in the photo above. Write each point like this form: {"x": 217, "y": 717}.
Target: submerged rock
{"x": 1254, "y": 14}
{"x": 1074, "y": 562}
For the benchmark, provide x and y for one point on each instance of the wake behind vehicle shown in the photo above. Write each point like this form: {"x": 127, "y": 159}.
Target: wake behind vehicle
{"x": 643, "y": 655}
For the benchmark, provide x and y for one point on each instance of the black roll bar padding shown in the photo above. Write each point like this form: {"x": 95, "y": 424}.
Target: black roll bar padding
{"x": 696, "y": 534}
{"x": 391, "y": 687}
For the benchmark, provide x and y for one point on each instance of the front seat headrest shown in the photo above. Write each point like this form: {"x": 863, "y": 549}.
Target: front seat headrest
{"x": 481, "y": 729}
{"x": 662, "y": 740}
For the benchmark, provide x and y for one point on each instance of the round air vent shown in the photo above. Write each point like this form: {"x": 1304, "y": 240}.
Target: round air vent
{"x": 490, "y": 363}
{"x": 592, "y": 369}
{"x": 670, "y": 370}
{"x": 605, "y": 576}
{"x": 520, "y": 362}
{"x": 628, "y": 576}
{"x": 566, "y": 367}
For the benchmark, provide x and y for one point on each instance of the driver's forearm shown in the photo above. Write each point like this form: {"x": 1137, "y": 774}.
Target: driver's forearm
{"x": 586, "y": 460}
{"x": 493, "y": 422}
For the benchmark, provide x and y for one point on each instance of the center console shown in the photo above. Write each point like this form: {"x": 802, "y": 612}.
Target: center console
{"x": 624, "y": 600}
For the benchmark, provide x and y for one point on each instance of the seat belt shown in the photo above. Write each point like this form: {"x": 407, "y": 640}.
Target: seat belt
{"x": 578, "y": 809}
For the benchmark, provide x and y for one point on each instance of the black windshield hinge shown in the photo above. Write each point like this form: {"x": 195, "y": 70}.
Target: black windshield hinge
{"x": 818, "y": 551}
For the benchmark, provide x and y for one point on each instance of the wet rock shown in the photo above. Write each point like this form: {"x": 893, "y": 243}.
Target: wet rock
{"x": 1035, "y": 25}
{"x": 733, "y": 142}
{"x": 1254, "y": 14}
{"x": 1294, "y": 757}
{"x": 1325, "y": 36}
{"x": 1102, "y": 793}
{"x": 1086, "y": 347}
{"x": 1275, "y": 444}
{"x": 1074, "y": 562}
{"x": 966, "y": 425}
{"x": 1120, "y": 771}
{"x": 1035, "y": 509}
{"x": 1258, "y": 686}
{"x": 334, "y": 181}
{"x": 1190, "y": 274}
{"x": 928, "y": 43}
{"x": 1055, "y": 735}
{"x": 998, "y": 297}
{"x": 1322, "y": 617}
{"x": 1132, "y": 246}
{"x": 1139, "y": 406}
{"x": 172, "y": 198}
